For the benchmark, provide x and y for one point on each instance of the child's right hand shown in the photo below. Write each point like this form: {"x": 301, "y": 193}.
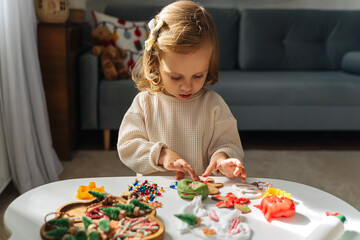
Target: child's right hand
{"x": 172, "y": 161}
{"x": 181, "y": 167}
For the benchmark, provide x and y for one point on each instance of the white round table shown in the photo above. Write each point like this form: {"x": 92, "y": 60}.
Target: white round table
{"x": 25, "y": 215}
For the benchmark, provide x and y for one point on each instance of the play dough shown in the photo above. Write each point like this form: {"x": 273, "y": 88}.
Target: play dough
{"x": 275, "y": 207}
{"x": 189, "y": 189}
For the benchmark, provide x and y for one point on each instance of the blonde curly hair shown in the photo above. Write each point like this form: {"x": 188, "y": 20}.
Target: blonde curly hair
{"x": 181, "y": 27}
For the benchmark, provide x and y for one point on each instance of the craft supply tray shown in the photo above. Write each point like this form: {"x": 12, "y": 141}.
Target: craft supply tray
{"x": 77, "y": 209}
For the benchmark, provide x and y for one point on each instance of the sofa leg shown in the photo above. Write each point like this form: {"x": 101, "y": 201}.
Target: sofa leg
{"x": 107, "y": 139}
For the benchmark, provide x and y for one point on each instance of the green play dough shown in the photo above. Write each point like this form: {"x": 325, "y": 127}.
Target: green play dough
{"x": 185, "y": 191}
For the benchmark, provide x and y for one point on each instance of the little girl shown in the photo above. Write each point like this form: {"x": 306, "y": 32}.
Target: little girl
{"x": 174, "y": 123}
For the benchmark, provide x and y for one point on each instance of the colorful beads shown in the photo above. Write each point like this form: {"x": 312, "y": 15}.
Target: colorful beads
{"x": 147, "y": 190}
{"x": 174, "y": 185}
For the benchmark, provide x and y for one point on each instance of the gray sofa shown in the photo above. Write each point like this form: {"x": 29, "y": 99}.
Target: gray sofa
{"x": 279, "y": 70}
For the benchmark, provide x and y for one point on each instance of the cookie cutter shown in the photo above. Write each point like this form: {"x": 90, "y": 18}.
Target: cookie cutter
{"x": 246, "y": 190}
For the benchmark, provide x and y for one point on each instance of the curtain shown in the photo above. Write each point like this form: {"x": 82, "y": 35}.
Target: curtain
{"x": 32, "y": 159}
{"x": 4, "y": 160}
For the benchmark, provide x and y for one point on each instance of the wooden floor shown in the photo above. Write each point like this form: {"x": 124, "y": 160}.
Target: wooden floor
{"x": 266, "y": 140}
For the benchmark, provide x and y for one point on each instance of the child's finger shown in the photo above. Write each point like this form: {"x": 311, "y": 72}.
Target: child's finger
{"x": 209, "y": 169}
{"x": 238, "y": 166}
{"x": 243, "y": 173}
{"x": 179, "y": 175}
{"x": 191, "y": 172}
{"x": 183, "y": 166}
{"x": 243, "y": 179}
{"x": 237, "y": 171}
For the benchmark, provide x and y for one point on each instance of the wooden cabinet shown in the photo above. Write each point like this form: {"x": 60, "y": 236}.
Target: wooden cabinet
{"x": 58, "y": 46}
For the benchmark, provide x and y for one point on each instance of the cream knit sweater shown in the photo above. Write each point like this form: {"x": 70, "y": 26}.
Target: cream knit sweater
{"x": 196, "y": 129}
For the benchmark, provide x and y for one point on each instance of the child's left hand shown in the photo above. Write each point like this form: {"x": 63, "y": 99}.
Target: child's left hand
{"x": 231, "y": 167}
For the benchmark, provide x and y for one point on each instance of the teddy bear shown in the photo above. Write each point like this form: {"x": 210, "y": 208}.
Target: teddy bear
{"x": 111, "y": 56}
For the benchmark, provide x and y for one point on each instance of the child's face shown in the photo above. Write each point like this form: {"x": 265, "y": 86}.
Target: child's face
{"x": 183, "y": 75}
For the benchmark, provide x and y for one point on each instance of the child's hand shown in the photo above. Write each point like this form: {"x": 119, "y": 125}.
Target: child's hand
{"x": 181, "y": 167}
{"x": 231, "y": 167}
{"x": 172, "y": 161}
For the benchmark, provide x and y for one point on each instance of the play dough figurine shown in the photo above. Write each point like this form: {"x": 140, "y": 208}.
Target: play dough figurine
{"x": 230, "y": 200}
{"x": 275, "y": 207}
{"x": 213, "y": 186}
{"x": 83, "y": 191}
{"x": 98, "y": 195}
{"x": 190, "y": 219}
{"x": 189, "y": 189}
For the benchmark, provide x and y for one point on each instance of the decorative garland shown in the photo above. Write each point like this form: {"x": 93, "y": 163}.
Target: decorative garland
{"x": 127, "y": 35}
{"x": 97, "y": 214}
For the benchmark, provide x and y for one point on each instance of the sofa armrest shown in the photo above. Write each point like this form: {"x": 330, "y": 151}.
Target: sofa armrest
{"x": 85, "y": 38}
{"x": 89, "y": 75}
{"x": 351, "y": 62}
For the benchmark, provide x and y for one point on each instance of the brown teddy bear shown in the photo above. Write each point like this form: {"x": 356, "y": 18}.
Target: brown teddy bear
{"x": 111, "y": 55}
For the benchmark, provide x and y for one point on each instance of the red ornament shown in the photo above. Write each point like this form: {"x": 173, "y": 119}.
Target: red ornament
{"x": 131, "y": 63}
{"x": 121, "y": 21}
{"x": 137, "y": 32}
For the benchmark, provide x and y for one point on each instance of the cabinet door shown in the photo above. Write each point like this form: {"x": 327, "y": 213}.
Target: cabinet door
{"x": 57, "y": 46}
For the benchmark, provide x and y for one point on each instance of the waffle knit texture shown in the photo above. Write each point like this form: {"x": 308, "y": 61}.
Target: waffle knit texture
{"x": 196, "y": 129}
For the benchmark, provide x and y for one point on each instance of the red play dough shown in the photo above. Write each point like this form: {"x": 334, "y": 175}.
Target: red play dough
{"x": 275, "y": 207}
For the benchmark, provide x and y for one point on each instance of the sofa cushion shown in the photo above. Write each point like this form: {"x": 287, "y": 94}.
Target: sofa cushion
{"x": 351, "y": 62}
{"x": 133, "y": 12}
{"x": 309, "y": 88}
{"x": 283, "y": 39}
{"x": 278, "y": 100}
{"x": 227, "y": 22}
{"x": 115, "y": 98}
{"x": 296, "y": 118}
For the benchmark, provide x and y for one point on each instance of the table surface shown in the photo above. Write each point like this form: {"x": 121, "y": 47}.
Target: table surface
{"x": 25, "y": 215}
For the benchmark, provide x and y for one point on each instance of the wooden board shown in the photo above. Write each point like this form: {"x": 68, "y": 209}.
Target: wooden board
{"x": 77, "y": 209}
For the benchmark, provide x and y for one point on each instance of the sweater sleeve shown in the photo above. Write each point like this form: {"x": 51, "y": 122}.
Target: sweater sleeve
{"x": 134, "y": 148}
{"x": 225, "y": 136}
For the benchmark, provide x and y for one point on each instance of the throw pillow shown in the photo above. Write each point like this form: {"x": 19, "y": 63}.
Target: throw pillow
{"x": 129, "y": 35}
